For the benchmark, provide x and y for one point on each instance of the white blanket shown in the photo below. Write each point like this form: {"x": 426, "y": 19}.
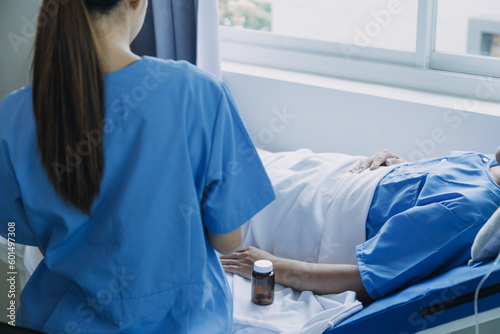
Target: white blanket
{"x": 318, "y": 216}
{"x": 291, "y": 311}
{"x": 320, "y": 211}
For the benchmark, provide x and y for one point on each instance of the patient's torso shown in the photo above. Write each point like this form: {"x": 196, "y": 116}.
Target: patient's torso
{"x": 461, "y": 181}
{"x": 423, "y": 219}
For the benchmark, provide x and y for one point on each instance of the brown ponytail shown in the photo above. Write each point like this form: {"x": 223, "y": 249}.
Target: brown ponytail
{"x": 68, "y": 101}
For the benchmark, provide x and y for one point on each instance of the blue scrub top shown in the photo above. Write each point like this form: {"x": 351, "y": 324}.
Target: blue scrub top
{"x": 177, "y": 160}
{"x": 423, "y": 220}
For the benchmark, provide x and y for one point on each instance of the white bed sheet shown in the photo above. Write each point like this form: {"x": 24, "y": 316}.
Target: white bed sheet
{"x": 319, "y": 216}
{"x": 320, "y": 211}
{"x": 291, "y": 311}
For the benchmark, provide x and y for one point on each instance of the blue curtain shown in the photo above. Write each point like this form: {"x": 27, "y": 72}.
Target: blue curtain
{"x": 169, "y": 31}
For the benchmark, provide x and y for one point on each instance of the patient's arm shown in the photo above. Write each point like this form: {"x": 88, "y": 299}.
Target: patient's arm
{"x": 303, "y": 276}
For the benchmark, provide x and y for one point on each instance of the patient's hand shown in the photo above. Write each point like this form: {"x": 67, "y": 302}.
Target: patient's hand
{"x": 383, "y": 158}
{"x": 241, "y": 262}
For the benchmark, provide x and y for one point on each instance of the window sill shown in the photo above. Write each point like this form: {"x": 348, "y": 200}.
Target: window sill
{"x": 474, "y": 105}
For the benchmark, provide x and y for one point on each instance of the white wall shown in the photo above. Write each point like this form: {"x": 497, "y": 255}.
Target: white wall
{"x": 16, "y": 40}
{"x": 326, "y": 119}
{"x": 361, "y": 122}
{"x": 357, "y": 123}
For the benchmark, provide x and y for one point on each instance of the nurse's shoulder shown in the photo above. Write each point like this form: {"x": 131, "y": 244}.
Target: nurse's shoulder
{"x": 17, "y": 98}
{"x": 186, "y": 75}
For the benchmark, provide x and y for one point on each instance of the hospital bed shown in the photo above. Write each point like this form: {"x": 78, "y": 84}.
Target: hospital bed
{"x": 442, "y": 304}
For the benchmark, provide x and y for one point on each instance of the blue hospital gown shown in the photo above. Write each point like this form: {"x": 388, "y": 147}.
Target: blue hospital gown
{"x": 177, "y": 160}
{"x": 423, "y": 219}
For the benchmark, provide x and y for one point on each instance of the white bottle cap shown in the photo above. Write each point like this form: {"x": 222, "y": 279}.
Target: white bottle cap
{"x": 263, "y": 266}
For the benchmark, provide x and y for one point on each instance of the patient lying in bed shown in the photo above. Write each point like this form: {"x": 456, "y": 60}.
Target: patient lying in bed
{"x": 371, "y": 230}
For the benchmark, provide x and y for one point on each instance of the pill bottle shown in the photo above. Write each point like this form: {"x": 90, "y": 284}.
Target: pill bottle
{"x": 263, "y": 282}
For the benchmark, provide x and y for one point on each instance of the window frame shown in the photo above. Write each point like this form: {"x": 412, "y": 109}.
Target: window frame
{"x": 425, "y": 69}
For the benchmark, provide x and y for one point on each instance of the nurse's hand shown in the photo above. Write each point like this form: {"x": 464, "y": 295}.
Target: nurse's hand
{"x": 382, "y": 158}
{"x": 241, "y": 262}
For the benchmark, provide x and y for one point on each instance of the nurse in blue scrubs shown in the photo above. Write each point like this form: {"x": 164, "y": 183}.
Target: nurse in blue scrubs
{"x": 128, "y": 173}
{"x": 422, "y": 221}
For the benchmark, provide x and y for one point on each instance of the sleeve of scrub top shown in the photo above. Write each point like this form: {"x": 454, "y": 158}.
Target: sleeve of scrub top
{"x": 411, "y": 246}
{"x": 11, "y": 205}
{"x": 237, "y": 185}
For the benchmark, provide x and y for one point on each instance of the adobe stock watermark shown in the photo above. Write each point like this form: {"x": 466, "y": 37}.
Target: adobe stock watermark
{"x": 28, "y": 29}
{"x": 364, "y": 36}
{"x": 123, "y": 107}
{"x": 280, "y": 120}
{"x": 454, "y": 119}
{"x": 420, "y": 322}
{"x": 218, "y": 180}
{"x": 246, "y": 153}
{"x": 12, "y": 273}
{"x": 92, "y": 306}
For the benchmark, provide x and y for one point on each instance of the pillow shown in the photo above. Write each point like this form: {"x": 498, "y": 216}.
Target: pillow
{"x": 487, "y": 243}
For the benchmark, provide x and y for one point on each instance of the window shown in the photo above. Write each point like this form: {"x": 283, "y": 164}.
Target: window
{"x": 247, "y": 14}
{"x": 468, "y": 27}
{"x": 378, "y": 23}
{"x": 467, "y": 34}
{"x": 341, "y": 38}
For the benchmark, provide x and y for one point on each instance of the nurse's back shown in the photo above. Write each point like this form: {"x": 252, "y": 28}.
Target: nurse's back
{"x": 126, "y": 180}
